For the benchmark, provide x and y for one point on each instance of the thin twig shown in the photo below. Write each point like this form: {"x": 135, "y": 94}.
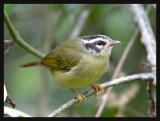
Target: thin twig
{"x": 16, "y": 37}
{"x": 107, "y": 84}
{"x": 148, "y": 38}
{"x": 125, "y": 54}
{"x": 80, "y": 23}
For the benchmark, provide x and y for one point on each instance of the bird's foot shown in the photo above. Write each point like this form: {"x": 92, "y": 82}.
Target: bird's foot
{"x": 80, "y": 97}
{"x": 98, "y": 89}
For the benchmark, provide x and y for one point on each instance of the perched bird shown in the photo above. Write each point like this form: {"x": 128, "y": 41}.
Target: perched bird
{"x": 79, "y": 62}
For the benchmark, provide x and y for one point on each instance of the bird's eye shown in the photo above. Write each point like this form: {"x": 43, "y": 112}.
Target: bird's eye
{"x": 100, "y": 42}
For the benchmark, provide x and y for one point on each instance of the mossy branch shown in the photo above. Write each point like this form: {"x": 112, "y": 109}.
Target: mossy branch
{"x": 17, "y": 38}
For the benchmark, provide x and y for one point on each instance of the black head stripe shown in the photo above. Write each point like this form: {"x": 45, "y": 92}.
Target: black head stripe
{"x": 94, "y": 37}
{"x": 92, "y": 47}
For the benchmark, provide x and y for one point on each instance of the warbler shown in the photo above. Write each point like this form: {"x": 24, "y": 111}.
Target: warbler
{"x": 79, "y": 62}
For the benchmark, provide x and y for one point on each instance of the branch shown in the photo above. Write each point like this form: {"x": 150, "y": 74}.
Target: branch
{"x": 148, "y": 38}
{"x": 125, "y": 54}
{"x": 107, "y": 84}
{"x": 16, "y": 37}
{"x": 80, "y": 23}
{"x": 14, "y": 112}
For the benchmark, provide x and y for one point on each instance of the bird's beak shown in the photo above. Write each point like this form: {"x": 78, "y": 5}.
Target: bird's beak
{"x": 114, "y": 42}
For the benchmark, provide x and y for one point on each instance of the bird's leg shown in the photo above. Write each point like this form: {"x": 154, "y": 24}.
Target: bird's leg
{"x": 80, "y": 97}
{"x": 97, "y": 88}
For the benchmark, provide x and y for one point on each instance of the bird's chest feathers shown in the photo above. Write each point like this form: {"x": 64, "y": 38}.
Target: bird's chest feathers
{"x": 90, "y": 67}
{"x": 87, "y": 71}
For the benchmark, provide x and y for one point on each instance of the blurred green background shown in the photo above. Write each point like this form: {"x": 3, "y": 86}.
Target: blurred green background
{"x": 36, "y": 92}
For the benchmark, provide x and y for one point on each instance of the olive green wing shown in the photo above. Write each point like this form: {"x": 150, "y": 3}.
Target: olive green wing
{"x": 62, "y": 59}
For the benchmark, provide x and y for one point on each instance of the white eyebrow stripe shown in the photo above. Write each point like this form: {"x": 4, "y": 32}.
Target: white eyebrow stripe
{"x": 93, "y": 40}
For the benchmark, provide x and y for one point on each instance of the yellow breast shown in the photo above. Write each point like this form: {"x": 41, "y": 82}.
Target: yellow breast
{"x": 87, "y": 71}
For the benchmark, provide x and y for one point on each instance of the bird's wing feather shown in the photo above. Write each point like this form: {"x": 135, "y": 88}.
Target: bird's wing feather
{"x": 62, "y": 58}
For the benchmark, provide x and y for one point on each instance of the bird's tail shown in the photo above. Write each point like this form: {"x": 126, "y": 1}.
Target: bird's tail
{"x": 35, "y": 63}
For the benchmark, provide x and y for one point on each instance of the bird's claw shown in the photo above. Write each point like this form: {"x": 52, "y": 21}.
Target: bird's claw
{"x": 98, "y": 89}
{"x": 80, "y": 97}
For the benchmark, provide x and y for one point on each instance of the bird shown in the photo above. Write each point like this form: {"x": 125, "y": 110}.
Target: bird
{"x": 79, "y": 62}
